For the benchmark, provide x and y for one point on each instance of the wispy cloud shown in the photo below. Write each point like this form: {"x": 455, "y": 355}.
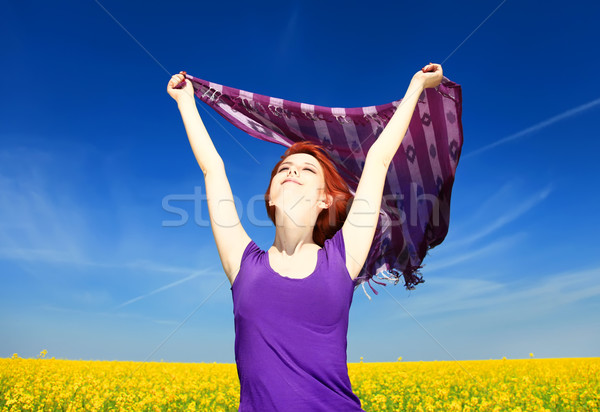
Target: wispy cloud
{"x": 518, "y": 209}
{"x": 32, "y": 220}
{"x": 46, "y": 219}
{"x": 59, "y": 256}
{"x": 491, "y": 225}
{"x": 126, "y": 315}
{"x": 163, "y": 288}
{"x": 491, "y": 249}
{"x": 287, "y": 36}
{"x": 518, "y": 296}
{"x": 38, "y": 255}
{"x": 535, "y": 128}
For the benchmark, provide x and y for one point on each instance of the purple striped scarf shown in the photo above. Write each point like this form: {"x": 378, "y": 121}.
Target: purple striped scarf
{"x": 415, "y": 209}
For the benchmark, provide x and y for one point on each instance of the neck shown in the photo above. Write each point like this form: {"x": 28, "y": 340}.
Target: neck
{"x": 292, "y": 237}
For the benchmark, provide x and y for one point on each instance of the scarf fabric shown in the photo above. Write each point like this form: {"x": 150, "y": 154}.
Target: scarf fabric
{"x": 415, "y": 210}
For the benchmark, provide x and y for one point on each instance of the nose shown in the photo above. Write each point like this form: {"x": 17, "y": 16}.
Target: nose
{"x": 292, "y": 170}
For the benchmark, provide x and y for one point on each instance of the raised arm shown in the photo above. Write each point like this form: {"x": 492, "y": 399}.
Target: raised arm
{"x": 230, "y": 236}
{"x": 361, "y": 222}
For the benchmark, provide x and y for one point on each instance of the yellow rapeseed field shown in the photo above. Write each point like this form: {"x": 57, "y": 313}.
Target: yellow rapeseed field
{"x": 494, "y": 385}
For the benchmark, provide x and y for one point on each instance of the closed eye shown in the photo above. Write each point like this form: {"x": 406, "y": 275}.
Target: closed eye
{"x": 306, "y": 168}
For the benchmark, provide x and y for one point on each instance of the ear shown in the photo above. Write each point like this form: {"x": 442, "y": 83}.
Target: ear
{"x": 327, "y": 202}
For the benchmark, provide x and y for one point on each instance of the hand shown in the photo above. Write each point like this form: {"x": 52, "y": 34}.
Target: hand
{"x": 186, "y": 92}
{"x": 429, "y": 76}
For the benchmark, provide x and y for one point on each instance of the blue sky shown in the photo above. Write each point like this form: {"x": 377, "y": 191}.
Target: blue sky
{"x": 91, "y": 145}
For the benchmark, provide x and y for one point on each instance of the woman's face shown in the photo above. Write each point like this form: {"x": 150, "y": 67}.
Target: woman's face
{"x": 299, "y": 182}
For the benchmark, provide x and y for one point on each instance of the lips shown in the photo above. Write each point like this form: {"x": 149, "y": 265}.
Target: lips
{"x": 291, "y": 180}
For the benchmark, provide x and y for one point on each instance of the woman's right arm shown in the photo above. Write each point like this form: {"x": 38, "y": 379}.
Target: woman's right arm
{"x": 230, "y": 236}
{"x": 202, "y": 145}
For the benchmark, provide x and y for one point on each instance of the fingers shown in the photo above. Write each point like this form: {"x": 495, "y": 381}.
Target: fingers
{"x": 431, "y": 67}
{"x": 177, "y": 79}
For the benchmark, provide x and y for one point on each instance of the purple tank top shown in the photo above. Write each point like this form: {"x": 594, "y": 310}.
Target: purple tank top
{"x": 290, "y": 334}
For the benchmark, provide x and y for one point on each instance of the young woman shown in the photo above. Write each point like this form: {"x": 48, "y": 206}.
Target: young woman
{"x": 291, "y": 302}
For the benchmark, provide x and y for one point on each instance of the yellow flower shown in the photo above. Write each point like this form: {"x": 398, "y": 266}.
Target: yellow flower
{"x": 491, "y": 385}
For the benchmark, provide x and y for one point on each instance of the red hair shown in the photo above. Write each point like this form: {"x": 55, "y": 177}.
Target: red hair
{"x": 330, "y": 220}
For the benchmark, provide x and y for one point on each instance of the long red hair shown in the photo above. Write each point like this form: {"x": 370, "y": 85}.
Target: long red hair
{"x": 330, "y": 220}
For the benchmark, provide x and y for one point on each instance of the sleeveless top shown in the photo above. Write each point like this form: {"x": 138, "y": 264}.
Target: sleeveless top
{"x": 290, "y": 334}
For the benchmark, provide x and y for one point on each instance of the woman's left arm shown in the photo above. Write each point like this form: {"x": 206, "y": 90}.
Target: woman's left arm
{"x": 361, "y": 221}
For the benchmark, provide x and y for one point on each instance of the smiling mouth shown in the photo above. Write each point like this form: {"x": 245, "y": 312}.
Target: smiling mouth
{"x": 291, "y": 181}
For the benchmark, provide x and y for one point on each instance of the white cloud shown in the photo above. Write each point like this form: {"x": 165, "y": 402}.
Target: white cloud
{"x": 518, "y": 209}
{"x": 492, "y": 249}
{"x": 163, "y": 288}
{"x": 541, "y": 125}
{"x": 519, "y": 297}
